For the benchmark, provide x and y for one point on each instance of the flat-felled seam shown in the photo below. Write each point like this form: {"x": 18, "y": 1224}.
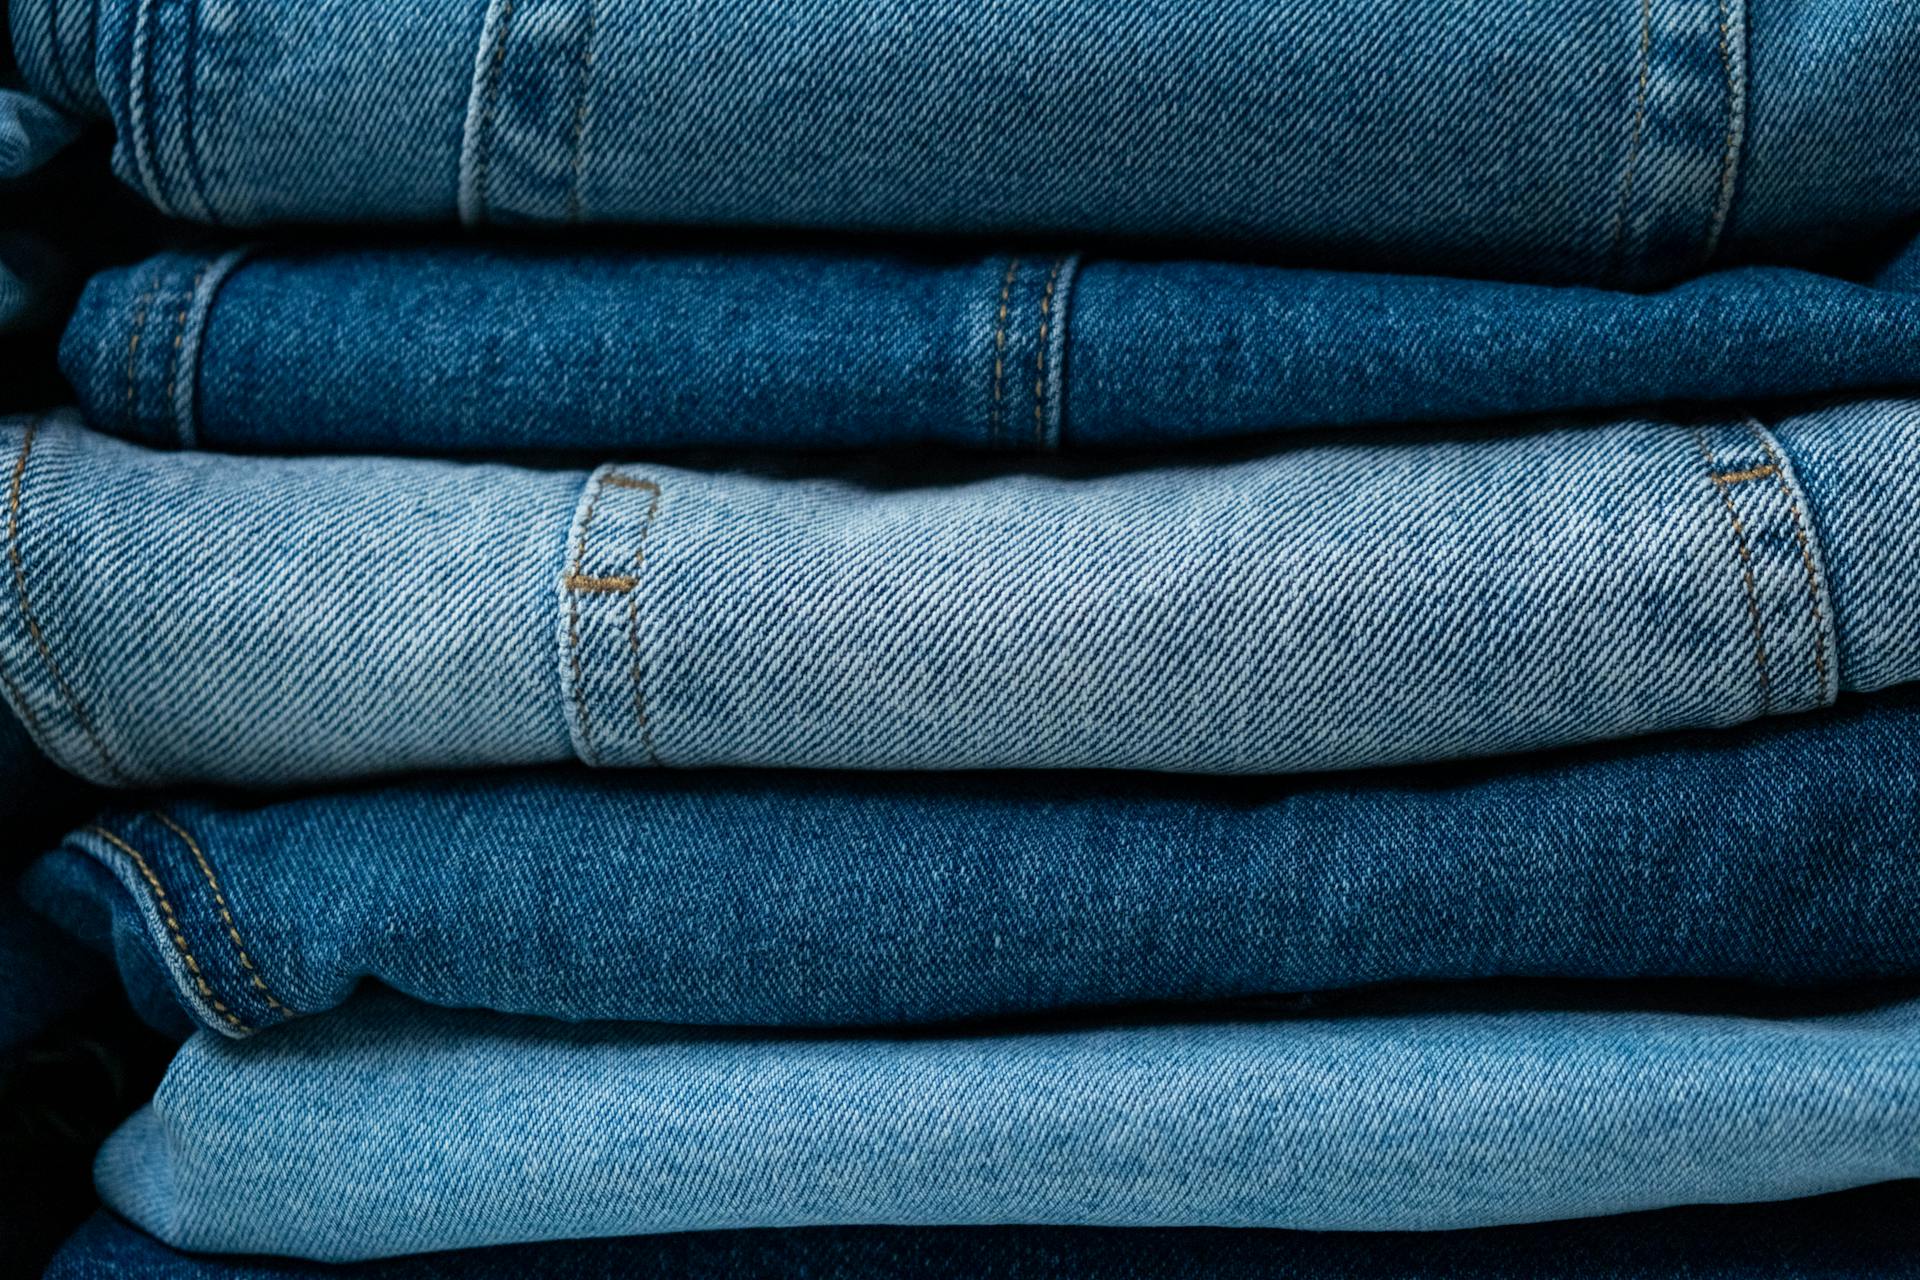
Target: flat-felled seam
{"x": 190, "y": 978}
{"x": 226, "y": 913}
{"x": 189, "y": 340}
{"x": 189, "y": 62}
{"x": 1054, "y": 435}
{"x": 1820, "y": 607}
{"x": 1744, "y": 552}
{"x": 1616, "y": 252}
{"x": 141, "y": 128}
{"x": 577, "y": 582}
{"x": 1043, "y": 350}
{"x": 996, "y": 405}
{"x": 495, "y": 27}
{"x": 1733, "y": 61}
{"x": 577, "y": 158}
{"x": 32, "y": 625}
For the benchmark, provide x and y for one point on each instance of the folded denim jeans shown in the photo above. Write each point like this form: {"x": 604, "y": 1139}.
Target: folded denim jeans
{"x": 1597, "y": 140}
{"x": 1364, "y": 601}
{"x": 452, "y": 349}
{"x": 1849, "y": 1235}
{"x": 389, "y": 1127}
{"x": 1785, "y": 852}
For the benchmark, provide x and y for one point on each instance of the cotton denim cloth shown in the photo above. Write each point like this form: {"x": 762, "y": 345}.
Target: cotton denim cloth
{"x": 1850, "y": 1235}
{"x": 1596, "y": 140}
{"x": 201, "y": 617}
{"x": 30, "y": 133}
{"x": 389, "y": 1127}
{"x": 458, "y": 349}
{"x": 1787, "y": 852}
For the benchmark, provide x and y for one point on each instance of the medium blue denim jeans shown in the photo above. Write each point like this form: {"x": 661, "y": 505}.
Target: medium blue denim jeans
{"x": 452, "y": 349}
{"x": 822, "y": 899}
{"x": 389, "y": 1127}
{"x": 1347, "y": 602}
{"x": 1591, "y": 140}
{"x": 1869, "y": 1234}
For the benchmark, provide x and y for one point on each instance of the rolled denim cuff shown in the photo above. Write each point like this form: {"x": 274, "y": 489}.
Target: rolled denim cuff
{"x": 182, "y": 616}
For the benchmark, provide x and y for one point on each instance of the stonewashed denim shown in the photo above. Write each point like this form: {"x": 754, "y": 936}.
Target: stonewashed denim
{"x": 460, "y": 349}
{"x": 1601, "y": 139}
{"x": 1869, "y": 1234}
{"x": 389, "y": 1127}
{"x": 820, "y": 899}
{"x": 1360, "y": 601}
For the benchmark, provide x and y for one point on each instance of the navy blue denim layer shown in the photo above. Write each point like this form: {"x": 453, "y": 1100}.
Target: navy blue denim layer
{"x": 462, "y": 349}
{"x": 1592, "y": 140}
{"x": 1869, "y": 1234}
{"x": 1784, "y": 852}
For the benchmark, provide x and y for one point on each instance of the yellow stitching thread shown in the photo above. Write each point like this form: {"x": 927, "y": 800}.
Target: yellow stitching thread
{"x": 1746, "y": 570}
{"x": 133, "y": 342}
{"x": 1040, "y": 359}
{"x": 1806, "y": 561}
{"x": 1639, "y": 131}
{"x": 26, "y": 612}
{"x": 226, "y": 916}
{"x": 173, "y": 922}
{"x": 1723, "y": 198}
{"x": 589, "y": 585}
{"x": 1740, "y": 477}
{"x": 999, "y": 351}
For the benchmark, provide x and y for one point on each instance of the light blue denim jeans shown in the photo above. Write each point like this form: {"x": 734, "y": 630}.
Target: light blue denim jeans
{"x": 388, "y": 1127}
{"x": 805, "y": 898}
{"x": 1620, "y": 140}
{"x": 1364, "y": 601}
{"x": 465, "y": 349}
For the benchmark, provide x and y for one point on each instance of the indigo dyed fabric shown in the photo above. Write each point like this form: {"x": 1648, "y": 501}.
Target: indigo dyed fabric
{"x": 1850, "y": 1235}
{"x": 1595, "y": 140}
{"x": 460, "y": 349}
{"x": 389, "y": 1127}
{"x": 1787, "y": 852}
{"x": 1341, "y": 603}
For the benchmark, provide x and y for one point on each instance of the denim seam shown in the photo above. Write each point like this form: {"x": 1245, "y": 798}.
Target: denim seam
{"x": 1733, "y": 61}
{"x": 1617, "y": 251}
{"x": 474, "y": 157}
{"x": 1041, "y": 349}
{"x": 190, "y": 332}
{"x": 1721, "y": 481}
{"x": 141, "y": 128}
{"x": 34, "y": 631}
{"x": 189, "y": 55}
{"x": 577, "y": 582}
{"x": 1057, "y": 386}
{"x": 580, "y": 109}
{"x": 1819, "y": 600}
{"x": 996, "y": 409}
{"x": 170, "y": 388}
{"x": 171, "y": 921}
{"x": 226, "y": 914}
{"x": 134, "y": 334}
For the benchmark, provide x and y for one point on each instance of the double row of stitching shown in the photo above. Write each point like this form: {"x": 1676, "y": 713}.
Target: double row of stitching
{"x": 226, "y": 913}
{"x": 1046, "y": 332}
{"x": 32, "y": 623}
{"x": 482, "y": 104}
{"x": 577, "y": 583}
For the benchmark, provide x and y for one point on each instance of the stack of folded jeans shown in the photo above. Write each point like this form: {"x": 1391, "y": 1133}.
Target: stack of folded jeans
{"x": 1219, "y": 637}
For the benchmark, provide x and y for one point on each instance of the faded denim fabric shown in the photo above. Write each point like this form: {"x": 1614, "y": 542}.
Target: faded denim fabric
{"x": 1596, "y": 140}
{"x": 820, "y": 899}
{"x": 438, "y": 350}
{"x": 390, "y": 1127}
{"x": 1852, "y": 1235}
{"x": 261, "y": 621}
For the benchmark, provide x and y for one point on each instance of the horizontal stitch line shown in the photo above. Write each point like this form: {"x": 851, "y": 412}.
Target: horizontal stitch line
{"x": 1751, "y": 473}
{"x": 173, "y": 922}
{"x": 591, "y": 585}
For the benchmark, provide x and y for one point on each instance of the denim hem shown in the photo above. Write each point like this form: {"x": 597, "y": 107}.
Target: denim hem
{"x": 53, "y": 41}
{"x": 141, "y": 376}
{"x": 36, "y": 683}
{"x": 188, "y": 924}
{"x": 1027, "y": 353}
{"x": 602, "y": 653}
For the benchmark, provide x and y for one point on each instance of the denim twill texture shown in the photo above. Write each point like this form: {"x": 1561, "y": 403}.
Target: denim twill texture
{"x": 456, "y": 349}
{"x": 1845, "y": 1236}
{"x": 1594, "y": 140}
{"x": 1412, "y": 1112}
{"x": 1785, "y": 852}
{"x": 269, "y": 622}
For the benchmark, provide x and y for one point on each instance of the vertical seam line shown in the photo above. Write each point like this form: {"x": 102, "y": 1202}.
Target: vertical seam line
{"x": 226, "y": 915}
{"x": 1615, "y": 254}
{"x": 1736, "y": 129}
{"x": 580, "y": 109}
{"x": 489, "y": 96}
{"x": 1802, "y": 538}
{"x": 633, "y": 625}
{"x": 1720, "y": 487}
{"x": 996, "y": 410}
{"x": 1040, "y": 358}
{"x": 32, "y": 624}
{"x": 174, "y": 929}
